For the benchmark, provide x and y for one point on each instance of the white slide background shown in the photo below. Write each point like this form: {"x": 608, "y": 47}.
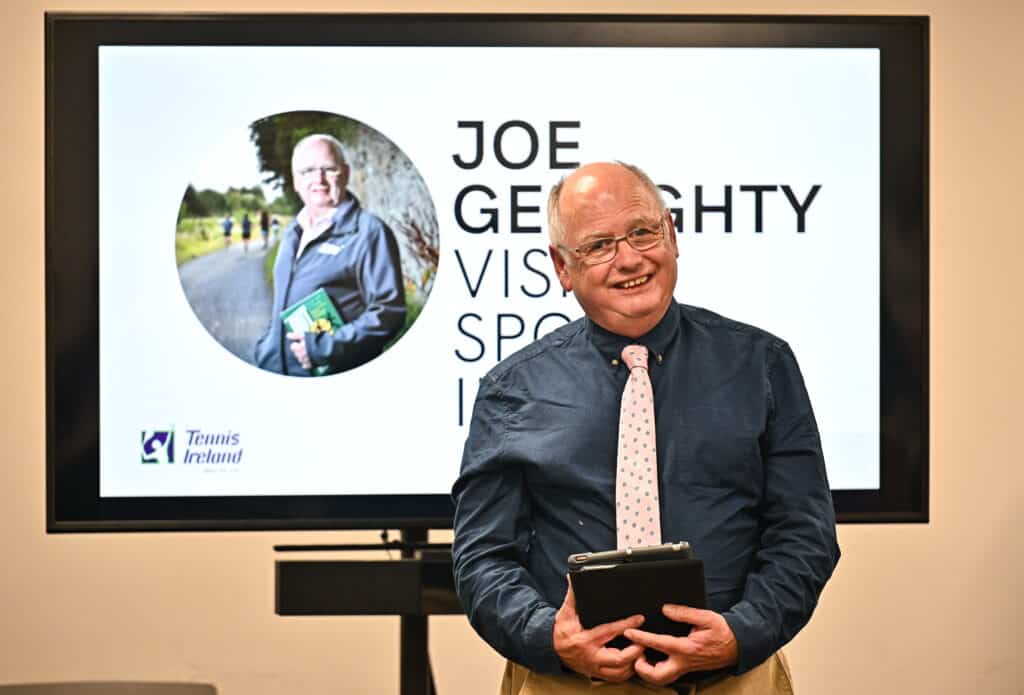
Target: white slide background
{"x": 709, "y": 117}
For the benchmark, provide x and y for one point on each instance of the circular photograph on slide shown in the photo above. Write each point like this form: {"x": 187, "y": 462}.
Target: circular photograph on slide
{"x": 308, "y": 244}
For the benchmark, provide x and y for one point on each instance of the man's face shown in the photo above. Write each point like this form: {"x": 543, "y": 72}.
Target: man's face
{"x": 319, "y": 177}
{"x": 629, "y": 294}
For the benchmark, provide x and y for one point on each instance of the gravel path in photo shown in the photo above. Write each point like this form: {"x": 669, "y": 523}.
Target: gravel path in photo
{"x": 230, "y": 296}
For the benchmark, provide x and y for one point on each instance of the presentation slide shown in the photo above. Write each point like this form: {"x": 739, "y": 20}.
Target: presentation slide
{"x": 767, "y": 158}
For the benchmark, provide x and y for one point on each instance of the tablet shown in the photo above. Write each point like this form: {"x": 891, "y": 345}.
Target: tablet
{"x": 616, "y": 584}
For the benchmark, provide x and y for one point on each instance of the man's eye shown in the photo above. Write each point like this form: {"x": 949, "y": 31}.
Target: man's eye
{"x": 597, "y": 245}
{"x": 327, "y": 171}
{"x": 641, "y": 233}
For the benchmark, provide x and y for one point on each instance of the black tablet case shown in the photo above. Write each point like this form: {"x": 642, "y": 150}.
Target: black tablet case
{"x": 607, "y": 593}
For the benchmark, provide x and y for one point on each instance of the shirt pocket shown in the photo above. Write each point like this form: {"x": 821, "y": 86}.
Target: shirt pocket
{"x": 717, "y": 448}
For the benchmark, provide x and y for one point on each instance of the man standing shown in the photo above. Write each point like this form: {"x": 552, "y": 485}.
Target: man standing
{"x": 334, "y": 245}
{"x": 246, "y": 231}
{"x": 264, "y": 227}
{"x": 739, "y": 470}
{"x": 226, "y": 224}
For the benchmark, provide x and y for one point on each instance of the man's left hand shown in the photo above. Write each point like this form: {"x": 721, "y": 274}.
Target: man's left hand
{"x": 298, "y": 348}
{"x": 710, "y": 645}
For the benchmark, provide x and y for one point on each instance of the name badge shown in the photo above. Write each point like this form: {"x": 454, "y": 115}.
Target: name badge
{"x": 329, "y": 249}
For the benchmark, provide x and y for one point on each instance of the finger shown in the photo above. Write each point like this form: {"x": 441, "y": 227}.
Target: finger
{"x": 296, "y": 335}
{"x": 607, "y": 631}
{"x": 644, "y": 669}
{"x": 661, "y": 673}
{"x": 569, "y": 603}
{"x": 611, "y": 657}
{"x": 663, "y": 643}
{"x": 299, "y": 350}
{"x": 633, "y": 652}
{"x": 686, "y": 614}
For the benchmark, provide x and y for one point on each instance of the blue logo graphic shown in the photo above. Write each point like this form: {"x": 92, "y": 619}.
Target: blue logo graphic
{"x": 158, "y": 446}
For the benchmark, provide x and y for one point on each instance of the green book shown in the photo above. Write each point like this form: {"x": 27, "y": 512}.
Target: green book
{"x": 314, "y": 313}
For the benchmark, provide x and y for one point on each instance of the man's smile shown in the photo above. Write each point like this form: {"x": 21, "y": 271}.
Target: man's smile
{"x": 635, "y": 282}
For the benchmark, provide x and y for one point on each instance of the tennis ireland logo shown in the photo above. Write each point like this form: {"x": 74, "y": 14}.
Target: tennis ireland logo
{"x": 158, "y": 446}
{"x": 197, "y": 446}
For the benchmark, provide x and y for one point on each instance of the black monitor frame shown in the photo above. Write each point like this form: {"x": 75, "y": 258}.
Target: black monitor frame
{"x": 72, "y": 266}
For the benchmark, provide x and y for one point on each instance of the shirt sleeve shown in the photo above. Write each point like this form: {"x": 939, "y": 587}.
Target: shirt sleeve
{"x": 492, "y": 537}
{"x": 798, "y": 549}
{"x": 380, "y": 284}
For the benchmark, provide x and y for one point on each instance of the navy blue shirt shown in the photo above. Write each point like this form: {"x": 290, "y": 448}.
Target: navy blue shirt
{"x": 740, "y": 469}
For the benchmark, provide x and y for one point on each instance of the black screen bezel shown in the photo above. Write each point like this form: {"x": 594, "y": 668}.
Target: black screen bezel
{"x": 72, "y": 267}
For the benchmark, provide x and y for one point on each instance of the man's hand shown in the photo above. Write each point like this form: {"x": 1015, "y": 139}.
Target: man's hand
{"x": 584, "y": 651}
{"x": 710, "y": 645}
{"x": 298, "y": 348}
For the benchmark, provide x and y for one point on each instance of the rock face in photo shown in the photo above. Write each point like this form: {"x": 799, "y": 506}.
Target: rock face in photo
{"x": 404, "y": 203}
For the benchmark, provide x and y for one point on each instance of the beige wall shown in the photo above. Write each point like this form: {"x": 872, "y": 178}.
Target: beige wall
{"x": 912, "y": 609}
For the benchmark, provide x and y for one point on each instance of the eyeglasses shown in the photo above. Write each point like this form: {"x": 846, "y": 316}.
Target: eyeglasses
{"x": 604, "y": 249}
{"x": 331, "y": 172}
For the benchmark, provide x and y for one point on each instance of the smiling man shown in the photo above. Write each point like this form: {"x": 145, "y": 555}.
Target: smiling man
{"x": 334, "y": 245}
{"x": 737, "y": 468}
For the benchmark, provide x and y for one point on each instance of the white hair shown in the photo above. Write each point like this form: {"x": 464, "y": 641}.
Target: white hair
{"x": 332, "y": 142}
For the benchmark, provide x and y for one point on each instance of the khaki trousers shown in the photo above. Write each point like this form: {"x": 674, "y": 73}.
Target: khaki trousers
{"x": 770, "y": 678}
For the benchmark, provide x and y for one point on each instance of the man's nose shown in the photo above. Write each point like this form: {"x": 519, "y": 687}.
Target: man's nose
{"x": 626, "y": 255}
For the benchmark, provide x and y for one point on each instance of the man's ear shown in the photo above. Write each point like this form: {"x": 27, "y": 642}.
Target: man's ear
{"x": 671, "y": 232}
{"x": 560, "y": 268}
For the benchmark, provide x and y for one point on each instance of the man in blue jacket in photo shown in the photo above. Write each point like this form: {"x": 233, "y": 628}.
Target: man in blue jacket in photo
{"x": 334, "y": 245}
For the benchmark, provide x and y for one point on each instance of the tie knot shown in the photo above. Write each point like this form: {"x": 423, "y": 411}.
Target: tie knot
{"x": 635, "y": 356}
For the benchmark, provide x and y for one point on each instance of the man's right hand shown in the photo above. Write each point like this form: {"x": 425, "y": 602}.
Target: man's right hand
{"x": 298, "y": 348}
{"x": 584, "y": 651}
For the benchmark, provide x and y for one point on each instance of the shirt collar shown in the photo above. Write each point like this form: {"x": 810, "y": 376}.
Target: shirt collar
{"x": 311, "y": 232}
{"x": 325, "y": 220}
{"x": 657, "y": 340}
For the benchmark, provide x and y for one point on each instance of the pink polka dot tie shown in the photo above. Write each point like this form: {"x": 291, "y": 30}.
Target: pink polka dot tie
{"x": 637, "y": 514}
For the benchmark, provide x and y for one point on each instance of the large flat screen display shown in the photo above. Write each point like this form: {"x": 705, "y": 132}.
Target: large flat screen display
{"x": 790, "y": 152}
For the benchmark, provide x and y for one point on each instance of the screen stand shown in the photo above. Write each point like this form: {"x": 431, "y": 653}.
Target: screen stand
{"x": 413, "y": 586}
{"x": 417, "y": 678}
